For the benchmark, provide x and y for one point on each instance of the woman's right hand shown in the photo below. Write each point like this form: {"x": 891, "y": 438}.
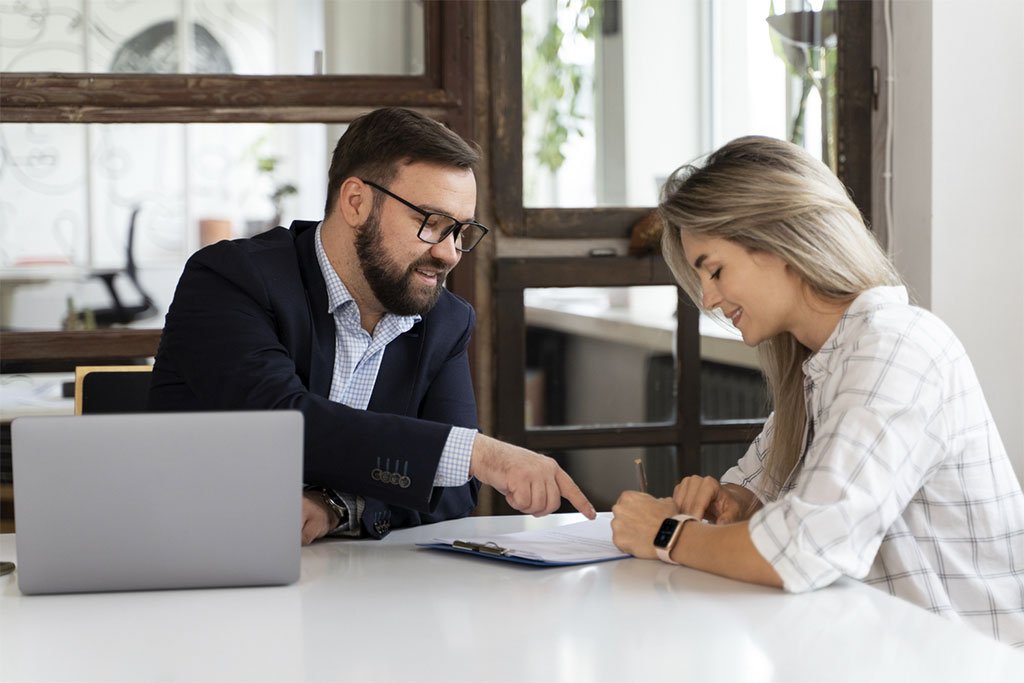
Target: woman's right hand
{"x": 706, "y": 498}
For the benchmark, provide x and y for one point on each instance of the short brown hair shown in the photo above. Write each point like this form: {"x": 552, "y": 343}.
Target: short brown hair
{"x": 375, "y": 144}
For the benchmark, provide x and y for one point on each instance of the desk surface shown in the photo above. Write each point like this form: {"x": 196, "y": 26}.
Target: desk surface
{"x": 422, "y": 615}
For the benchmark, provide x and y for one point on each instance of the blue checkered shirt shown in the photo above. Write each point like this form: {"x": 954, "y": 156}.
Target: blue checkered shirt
{"x": 357, "y": 358}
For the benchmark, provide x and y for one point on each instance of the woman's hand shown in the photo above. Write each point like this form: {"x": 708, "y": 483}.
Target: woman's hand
{"x": 706, "y": 498}
{"x": 638, "y": 517}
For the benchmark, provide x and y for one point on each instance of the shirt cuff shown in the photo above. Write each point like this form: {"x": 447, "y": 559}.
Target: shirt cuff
{"x": 354, "y": 505}
{"x": 453, "y": 468}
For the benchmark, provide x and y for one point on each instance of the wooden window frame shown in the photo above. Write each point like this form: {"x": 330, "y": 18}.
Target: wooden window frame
{"x": 855, "y": 102}
{"x": 444, "y": 91}
{"x": 687, "y": 432}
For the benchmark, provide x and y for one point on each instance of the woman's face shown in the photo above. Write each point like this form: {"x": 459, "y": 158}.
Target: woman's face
{"x": 755, "y": 290}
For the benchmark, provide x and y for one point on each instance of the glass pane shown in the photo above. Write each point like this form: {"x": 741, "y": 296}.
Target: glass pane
{"x": 227, "y": 36}
{"x": 731, "y": 384}
{"x": 716, "y": 459}
{"x": 604, "y": 473}
{"x": 600, "y": 356}
{"x": 69, "y": 194}
{"x": 618, "y": 95}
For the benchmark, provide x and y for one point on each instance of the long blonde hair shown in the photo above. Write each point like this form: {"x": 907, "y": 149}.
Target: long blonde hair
{"x": 772, "y": 196}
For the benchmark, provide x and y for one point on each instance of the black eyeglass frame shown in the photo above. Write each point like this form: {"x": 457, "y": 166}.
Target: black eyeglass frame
{"x": 456, "y": 226}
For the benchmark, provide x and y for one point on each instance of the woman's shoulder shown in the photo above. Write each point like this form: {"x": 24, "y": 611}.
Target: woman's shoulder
{"x": 894, "y": 327}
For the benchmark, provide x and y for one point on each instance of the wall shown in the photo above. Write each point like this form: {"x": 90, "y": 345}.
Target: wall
{"x": 959, "y": 239}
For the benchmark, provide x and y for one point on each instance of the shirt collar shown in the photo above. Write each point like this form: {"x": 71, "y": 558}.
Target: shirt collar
{"x": 338, "y": 294}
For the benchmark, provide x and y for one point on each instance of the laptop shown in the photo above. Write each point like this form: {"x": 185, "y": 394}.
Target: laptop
{"x": 157, "y": 500}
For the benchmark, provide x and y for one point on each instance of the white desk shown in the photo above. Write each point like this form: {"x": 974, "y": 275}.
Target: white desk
{"x": 423, "y": 615}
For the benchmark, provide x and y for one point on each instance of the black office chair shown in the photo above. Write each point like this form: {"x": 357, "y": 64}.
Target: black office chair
{"x": 111, "y": 388}
{"x": 119, "y": 313}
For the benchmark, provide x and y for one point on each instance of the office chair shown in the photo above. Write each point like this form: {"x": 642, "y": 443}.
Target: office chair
{"x": 111, "y": 388}
{"x": 119, "y": 313}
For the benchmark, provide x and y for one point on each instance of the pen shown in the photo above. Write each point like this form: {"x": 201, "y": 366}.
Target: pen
{"x": 641, "y": 475}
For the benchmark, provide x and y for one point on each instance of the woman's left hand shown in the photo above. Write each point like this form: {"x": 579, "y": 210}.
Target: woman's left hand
{"x": 638, "y": 516}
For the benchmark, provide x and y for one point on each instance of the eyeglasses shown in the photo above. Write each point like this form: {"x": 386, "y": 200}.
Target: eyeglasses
{"x": 436, "y": 227}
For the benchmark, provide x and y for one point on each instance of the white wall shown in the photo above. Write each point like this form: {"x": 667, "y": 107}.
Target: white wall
{"x": 959, "y": 239}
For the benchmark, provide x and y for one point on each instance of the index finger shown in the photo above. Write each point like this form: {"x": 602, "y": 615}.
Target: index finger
{"x": 572, "y": 493}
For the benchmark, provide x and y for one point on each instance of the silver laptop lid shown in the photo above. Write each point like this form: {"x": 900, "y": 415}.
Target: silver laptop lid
{"x": 161, "y": 500}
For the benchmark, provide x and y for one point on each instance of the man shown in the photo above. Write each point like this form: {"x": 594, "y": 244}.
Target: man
{"x": 348, "y": 321}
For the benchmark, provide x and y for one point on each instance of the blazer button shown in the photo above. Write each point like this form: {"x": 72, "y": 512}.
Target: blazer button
{"x": 395, "y": 477}
{"x": 404, "y": 481}
{"x": 376, "y": 474}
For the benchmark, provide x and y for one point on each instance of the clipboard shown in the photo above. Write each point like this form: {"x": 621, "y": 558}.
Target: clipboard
{"x": 563, "y": 546}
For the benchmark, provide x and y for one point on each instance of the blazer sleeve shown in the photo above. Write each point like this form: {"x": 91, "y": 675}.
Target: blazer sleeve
{"x": 447, "y": 398}
{"x": 229, "y": 343}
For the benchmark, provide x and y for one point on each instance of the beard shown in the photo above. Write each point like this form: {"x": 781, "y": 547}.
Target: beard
{"x": 391, "y": 284}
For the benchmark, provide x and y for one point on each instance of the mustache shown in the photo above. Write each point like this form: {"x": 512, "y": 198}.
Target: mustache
{"x": 432, "y": 263}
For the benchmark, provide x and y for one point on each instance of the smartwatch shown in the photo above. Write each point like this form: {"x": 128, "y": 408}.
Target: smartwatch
{"x": 667, "y": 536}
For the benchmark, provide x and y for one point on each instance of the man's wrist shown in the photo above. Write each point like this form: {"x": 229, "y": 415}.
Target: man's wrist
{"x": 479, "y": 455}
{"x": 337, "y": 511}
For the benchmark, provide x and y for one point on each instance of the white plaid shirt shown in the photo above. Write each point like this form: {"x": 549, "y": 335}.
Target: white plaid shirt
{"x": 357, "y": 359}
{"x": 905, "y": 483}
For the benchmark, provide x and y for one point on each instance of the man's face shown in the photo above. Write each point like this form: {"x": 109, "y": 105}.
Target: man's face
{"x": 406, "y": 274}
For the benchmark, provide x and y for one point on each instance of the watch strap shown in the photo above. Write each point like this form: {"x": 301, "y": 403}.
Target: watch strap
{"x": 665, "y": 553}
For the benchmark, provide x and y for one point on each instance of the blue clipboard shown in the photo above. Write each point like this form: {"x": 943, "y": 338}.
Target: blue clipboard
{"x": 493, "y": 551}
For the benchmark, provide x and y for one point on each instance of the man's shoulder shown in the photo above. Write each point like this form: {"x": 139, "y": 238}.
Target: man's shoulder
{"x": 272, "y": 266}
{"x": 270, "y": 251}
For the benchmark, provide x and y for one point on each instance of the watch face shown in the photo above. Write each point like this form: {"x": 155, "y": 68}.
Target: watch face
{"x": 664, "y": 535}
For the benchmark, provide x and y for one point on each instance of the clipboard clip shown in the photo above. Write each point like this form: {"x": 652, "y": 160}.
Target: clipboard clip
{"x": 489, "y": 548}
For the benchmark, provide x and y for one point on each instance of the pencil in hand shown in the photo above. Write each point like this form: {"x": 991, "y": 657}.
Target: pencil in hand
{"x": 641, "y": 475}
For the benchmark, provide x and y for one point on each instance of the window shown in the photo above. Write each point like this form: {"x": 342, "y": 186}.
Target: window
{"x": 715, "y": 400}
{"x": 228, "y": 37}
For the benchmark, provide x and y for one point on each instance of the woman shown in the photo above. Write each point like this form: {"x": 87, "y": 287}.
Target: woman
{"x": 881, "y": 460}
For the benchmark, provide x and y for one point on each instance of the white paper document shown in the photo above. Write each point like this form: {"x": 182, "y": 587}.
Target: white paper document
{"x": 579, "y": 543}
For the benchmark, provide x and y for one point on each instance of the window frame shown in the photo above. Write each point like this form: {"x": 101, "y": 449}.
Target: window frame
{"x": 687, "y": 432}
{"x": 444, "y": 91}
{"x": 856, "y": 98}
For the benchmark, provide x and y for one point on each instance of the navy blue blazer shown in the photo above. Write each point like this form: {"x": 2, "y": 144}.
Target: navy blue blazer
{"x": 249, "y": 329}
